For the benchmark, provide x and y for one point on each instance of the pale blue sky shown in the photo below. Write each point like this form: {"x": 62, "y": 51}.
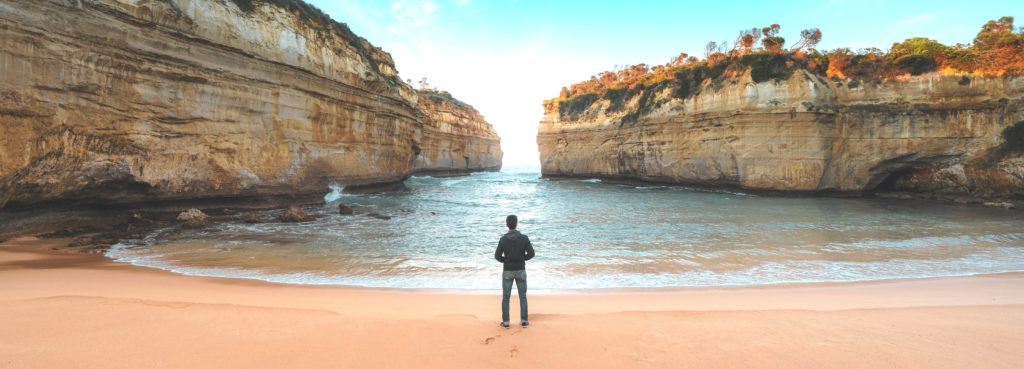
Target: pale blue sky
{"x": 506, "y": 56}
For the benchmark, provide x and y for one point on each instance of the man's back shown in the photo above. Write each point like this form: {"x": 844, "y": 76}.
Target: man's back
{"x": 514, "y": 249}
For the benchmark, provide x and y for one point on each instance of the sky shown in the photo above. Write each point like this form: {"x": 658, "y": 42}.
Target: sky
{"x": 505, "y": 57}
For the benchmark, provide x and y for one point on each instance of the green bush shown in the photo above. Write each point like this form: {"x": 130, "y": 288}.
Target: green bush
{"x": 440, "y": 97}
{"x": 618, "y": 97}
{"x": 817, "y": 63}
{"x": 865, "y": 67}
{"x": 688, "y": 80}
{"x": 917, "y": 64}
{"x": 919, "y": 46}
{"x": 575, "y": 106}
{"x": 767, "y": 66}
{"x": 643, "y": 106}
{"x": 1014, "y": 136}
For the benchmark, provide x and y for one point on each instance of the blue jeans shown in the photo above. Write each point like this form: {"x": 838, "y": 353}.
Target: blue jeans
{"x": 519, "y": 276}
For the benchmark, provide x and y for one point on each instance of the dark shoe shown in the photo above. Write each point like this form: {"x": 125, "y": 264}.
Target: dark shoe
{"x": 525, "y": 324}
{"x": 504, "y": 325}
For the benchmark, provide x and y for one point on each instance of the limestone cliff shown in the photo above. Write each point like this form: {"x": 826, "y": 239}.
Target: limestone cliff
{"x": 800, "y": 132}
{"x": 128, "y": 101}
{"x": 456, "y": 139}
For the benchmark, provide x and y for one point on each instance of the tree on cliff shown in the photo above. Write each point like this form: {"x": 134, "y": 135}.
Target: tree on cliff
{"x": 747, "y": 39}
{"x": 770, "y": 38}
{"x": 998, "y": 47}
{"x": 714, "y": 51}
{"x": 809, "y": 38}
{"x": 678, "y": 60}
{"x": 709, "y": 49}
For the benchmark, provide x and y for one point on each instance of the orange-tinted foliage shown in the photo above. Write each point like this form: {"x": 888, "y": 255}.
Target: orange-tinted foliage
{"x": 997, "y": 50}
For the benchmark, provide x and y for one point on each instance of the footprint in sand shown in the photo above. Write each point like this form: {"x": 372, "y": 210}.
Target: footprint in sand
{"x": 513, "y": 352}
{"x": 489, "y": 340}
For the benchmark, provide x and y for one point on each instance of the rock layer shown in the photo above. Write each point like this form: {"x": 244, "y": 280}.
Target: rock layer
{"x": 931, "y": 133}
{"x": 132, "y": 101}
{"x": 456, "y": 139}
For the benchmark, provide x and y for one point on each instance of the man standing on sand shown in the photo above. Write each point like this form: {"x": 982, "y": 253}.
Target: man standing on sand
{"x": 514, "y": 249}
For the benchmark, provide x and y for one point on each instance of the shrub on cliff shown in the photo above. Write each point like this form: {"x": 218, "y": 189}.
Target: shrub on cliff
{"x": 573, "y": 108}
{"x": 919, "y": 55}
{"x": 688, "y": 80}
{"x": 767, "y": 66}
{"x": 916, "y": 64}
{"x": 1014, "y": 137}
{"x": 441, "y": 97}
{"x": 919, "y": 46}
{"x": 617, "y": 98}
{"x": 997, "y": 50}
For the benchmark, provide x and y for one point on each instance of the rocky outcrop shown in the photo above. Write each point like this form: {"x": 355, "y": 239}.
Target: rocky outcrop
{"x": 456, "y": 139}
{"x": 193, "y": 218}
{"x": 345, "y": 209}
{"x": 138, "y": 101}
{"x": 932, "y": 133}
{"x": 293, "y": 214}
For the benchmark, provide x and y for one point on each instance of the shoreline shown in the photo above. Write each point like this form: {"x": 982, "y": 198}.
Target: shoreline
{"x": 268, "y": 278}
{"x": 59, "y": 307}
{"x": 52, "y": 248}
{"x": 570, "y": 291}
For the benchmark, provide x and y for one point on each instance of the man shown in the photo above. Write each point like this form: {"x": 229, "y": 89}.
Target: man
{"x": 514, "y": 249}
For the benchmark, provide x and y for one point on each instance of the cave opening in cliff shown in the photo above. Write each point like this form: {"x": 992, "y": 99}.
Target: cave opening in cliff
{"x": 890, "y": 181}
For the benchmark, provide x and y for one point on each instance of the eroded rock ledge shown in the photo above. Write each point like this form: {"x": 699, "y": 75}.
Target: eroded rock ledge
{"x": 139, "y": 101}
{"x": 932, "y": 133}
{"x": 456, "y": 139}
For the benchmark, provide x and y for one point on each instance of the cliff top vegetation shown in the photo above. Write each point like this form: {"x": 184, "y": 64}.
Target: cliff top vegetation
{"x": 439, "y": 97}
{"x": 997, "y": 50}
{"x": 319, "y": 20}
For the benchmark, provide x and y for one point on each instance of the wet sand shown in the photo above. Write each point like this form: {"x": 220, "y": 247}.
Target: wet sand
{"x": 69, "y": 310}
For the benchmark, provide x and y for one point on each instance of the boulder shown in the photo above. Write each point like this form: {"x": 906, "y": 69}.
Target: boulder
{"x": 344, "y": 209}
{"x": 193, "y": 218}
{"x": 294, "y": 215}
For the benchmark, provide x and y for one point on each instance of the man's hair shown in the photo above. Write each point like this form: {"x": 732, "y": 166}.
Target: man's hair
{"x": 511, "y": 221}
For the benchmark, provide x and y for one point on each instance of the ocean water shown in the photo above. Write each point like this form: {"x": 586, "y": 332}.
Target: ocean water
{"x": 591, "y": 234}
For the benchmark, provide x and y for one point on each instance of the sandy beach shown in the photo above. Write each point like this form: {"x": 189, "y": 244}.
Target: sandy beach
{"x": 62, "y": 310}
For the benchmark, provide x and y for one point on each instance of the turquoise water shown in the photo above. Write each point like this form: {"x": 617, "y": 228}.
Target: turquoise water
{"x": 590, "y": 234}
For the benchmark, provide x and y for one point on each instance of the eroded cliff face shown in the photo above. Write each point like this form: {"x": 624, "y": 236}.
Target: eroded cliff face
{"x": 456, "y": 139}
{"x": 127, "y": 101}
{"x": 929, "y": 133}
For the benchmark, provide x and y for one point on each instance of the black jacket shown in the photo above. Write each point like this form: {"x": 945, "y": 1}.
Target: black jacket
{"x": 514, "y": 249}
